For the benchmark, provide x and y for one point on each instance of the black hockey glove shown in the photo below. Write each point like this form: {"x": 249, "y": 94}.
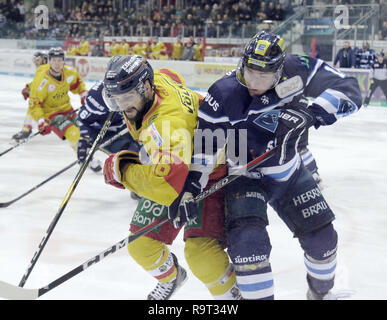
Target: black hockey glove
{"x": 82, "y": 149}
{"x": 184, "y": 208}
{"x": 293, "y": 122}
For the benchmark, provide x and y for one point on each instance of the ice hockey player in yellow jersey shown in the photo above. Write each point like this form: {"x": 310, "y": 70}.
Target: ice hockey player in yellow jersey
{"x": 158, "y": 50}
{"x": 39, "y": 58}
{"x": 49, "y": 103}
{"x": 124, "y": 48}
{"x": 115, "y": 48}
{"x": 84, "y": 47}
{"x": 178, "y": 48}
{"x": 141, "y": 48}
{"x": 161, "y": 114}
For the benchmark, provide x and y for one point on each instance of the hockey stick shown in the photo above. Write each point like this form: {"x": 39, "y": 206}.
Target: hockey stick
{"x": 13, "y": 292}
{"x": 29, "y": 138}
{"x": 6, "y": 204}
{"x": 111, "y": 140}
{"x": 106, "y": 143}
{"x": 64, "y": 203}
{"x": 19, "y": 143}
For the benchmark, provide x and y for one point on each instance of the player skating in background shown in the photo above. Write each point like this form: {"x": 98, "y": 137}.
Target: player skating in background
{"x": 264, "y": 99}
{"x": 91, "y": 118}
{"x": 161, "y": 114}
{"x": 39, "y": 59}
{"x": 49, "y": 102}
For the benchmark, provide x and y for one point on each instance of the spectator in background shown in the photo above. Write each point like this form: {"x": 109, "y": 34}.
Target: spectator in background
{"x": 189, "y": 51}
{"x": 345, "y": 57}
{"x": 261, "y": 13}
{"x": 97, "y": 49}
{"x": 271, "y": 11}
{"x": 279, "y": 13}
{"x": 365, "y": 57}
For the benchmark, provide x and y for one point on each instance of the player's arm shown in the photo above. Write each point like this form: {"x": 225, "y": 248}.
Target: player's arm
{"x": 38, "y": 94}
{"x": 336, "y": 95}
{"x": 77, "y": 85}
{"x": 169, "y": 158}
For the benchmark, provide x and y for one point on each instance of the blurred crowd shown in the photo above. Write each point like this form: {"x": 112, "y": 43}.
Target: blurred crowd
{"x": 96, "y": 18}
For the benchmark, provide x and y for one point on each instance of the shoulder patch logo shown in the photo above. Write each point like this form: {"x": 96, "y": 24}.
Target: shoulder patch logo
{"x": 42, "y": 84}
{"x": 268, "y": 120}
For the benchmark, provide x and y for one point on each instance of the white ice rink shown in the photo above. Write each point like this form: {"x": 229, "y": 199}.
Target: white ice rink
{"x": 351, "y": 155}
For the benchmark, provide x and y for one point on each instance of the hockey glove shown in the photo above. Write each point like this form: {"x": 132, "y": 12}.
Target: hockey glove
{"x": 44, "y": 126}
{"x": 26, "y": 92}
{"x": 292, "y": 122}
{"x": 184, "y": 208}
{"x": 82, "y": 149}
{"x": 83, "y": 96}
{"x": 114, "y": 165}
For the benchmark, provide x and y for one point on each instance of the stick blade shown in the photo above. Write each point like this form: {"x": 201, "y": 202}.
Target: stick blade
{"x": 9, "y": 291}
{"x": 4, "y": 204}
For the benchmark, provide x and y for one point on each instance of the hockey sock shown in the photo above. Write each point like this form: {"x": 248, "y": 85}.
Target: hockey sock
{"x": 210, "y": 264}
{"x": 320, "y": 273}
{"x": 155, "y": 257}
{"x": 249, "y": 251}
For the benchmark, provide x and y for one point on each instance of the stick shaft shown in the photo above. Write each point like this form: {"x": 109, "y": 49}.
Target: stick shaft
{"x": 66, "y": 199}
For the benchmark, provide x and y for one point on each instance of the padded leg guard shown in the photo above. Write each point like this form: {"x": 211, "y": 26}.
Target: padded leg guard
{"x": 249, "y": 251}
{"x": 72, "y": 135}
{"x": 154, "y": 257}
{"x": 210, "y": 264}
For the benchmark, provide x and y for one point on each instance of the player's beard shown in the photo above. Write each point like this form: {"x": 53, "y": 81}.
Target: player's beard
{"x": 138, "y": 112}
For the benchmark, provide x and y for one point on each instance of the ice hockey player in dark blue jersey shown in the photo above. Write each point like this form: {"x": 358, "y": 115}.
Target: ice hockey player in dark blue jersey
{"x": 262, "y": 104}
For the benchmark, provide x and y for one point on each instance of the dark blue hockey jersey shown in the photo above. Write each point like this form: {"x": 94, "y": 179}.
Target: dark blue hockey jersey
{"x": 230, "y": 117}
{"x": 93, "y": 114}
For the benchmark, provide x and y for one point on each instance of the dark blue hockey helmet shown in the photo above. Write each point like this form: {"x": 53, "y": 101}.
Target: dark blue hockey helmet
{"x": 263, "y": 53}
{"x": 56, "y": 52}
{"x": 125, "y": 73}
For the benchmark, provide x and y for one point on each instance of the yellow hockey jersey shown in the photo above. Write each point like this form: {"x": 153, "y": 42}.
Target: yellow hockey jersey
{"x": 158, "y": 51}
{"x": 84, "y": 48}
{"x": 141, "y": 49}
{"x": 49, "y": 95}
{"x": 167, "y": 133}
{"x": 177, "y": 50}
{"x": 115, "y": 49}
{"x": 124, "y": 48}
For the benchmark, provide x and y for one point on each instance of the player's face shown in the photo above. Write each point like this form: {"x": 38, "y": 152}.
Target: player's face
{"x": 131, "y": 103}
{"x": 258, "y": 82}
{"x": 56, "y": 64}
{"x": 38, "y": 61}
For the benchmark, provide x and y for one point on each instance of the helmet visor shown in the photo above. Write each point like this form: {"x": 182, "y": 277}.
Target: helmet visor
{"x": 122, "y": 102}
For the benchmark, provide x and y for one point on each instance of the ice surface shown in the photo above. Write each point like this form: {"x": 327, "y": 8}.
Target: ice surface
{"x": 351, "y": 155}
